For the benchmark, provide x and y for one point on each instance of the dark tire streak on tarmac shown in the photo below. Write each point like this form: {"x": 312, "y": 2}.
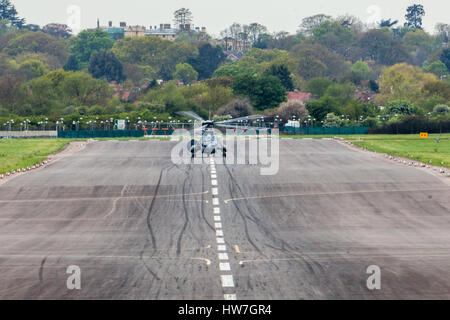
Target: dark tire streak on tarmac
{"x": 243, "y": 216}
{"x": 152, "y": 236}
{"x": 285, "y": 247}
{"x": 185, "y": 211}
{"x": 41, "y": 269}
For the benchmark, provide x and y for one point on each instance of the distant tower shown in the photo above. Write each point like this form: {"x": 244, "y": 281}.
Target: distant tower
{"x": 98, "y": 23}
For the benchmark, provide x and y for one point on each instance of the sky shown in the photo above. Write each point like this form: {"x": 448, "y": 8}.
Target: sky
{"x": 277, "y": 15}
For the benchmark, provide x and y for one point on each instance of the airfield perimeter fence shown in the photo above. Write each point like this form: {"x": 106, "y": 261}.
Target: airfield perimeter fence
{"x": 324, "y": 130}
{"x": 86, "y": 134}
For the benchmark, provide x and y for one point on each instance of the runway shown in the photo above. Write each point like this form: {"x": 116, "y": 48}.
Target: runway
{"x": 140, "y": 227}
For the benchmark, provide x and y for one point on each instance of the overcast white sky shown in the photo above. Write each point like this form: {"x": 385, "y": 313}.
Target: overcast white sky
{"x": 216, "y": 15}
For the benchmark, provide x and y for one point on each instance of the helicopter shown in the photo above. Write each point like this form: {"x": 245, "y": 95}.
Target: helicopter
{"x": 208, "y": 142}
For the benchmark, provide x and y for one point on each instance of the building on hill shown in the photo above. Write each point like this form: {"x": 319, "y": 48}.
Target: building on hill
{"x": 115, "y": 33}
{"x": 135, "y": 31}
{"x": 164, "y": 31}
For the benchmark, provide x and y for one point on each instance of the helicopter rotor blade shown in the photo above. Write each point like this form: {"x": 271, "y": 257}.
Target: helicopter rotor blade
{"x": 230, "y": 126}
{"x": 191, "y": 115}
{"x": 248, "y": 118}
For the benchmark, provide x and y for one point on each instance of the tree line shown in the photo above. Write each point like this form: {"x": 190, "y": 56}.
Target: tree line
{"x": 354, "y": 74}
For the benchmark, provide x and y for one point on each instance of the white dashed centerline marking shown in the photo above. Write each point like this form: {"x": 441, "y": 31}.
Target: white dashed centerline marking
{"x": 227, "y": 281}
{"x": 224, "y": 264}
{"x": 223, "y": 256}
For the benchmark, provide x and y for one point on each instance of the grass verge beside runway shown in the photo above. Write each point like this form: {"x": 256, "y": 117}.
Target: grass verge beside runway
{"x": 411, "y": 146}
{"x": 22, "y": 153}
{"x": 402, "y": 145}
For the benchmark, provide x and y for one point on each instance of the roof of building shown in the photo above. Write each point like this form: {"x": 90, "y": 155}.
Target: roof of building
{"x": 157, "y": 32}
{"x": 302, "y": 96}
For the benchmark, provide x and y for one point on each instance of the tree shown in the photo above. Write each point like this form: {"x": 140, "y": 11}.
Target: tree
{"x": 445, "y": 57}
{"x": 332, "y": 121}
{"x": 443, "y": 32}
{"x": 9, "y": 12}
{"x": 281, "y": 71}
{"x": 317, "y": 61}
{"x": 333, "y": 36}
{"x": 105, "y": 65}
{"x": 255, "y": 30}
{"x": 441, "y": 109}
{"x": 437, "y": 67}
{"x": 161, "y": 55}
{"x": 236, "y": 109}
{"x": 289, "y": 109}
{"x": 400, "y": 107}
{"x": 318, "y": 86}
{"x": 414, "y": 16}
{"x": 265, "y": 92}
{"x": 72, "y": 64}
{"x": 184, "y": 72}
{"x": 403, "y": 81}
{"x": 57, "y": 30}
{"x": 208, "y": 60}
{"x": 387, "y": 23}
{"x": 37, "y": 42}
{"x": 382, "y": 47}
{"x": 88, "y": 42}
{"x": 362, "y": 70}
{"x": 320, "y": 108}
{"x": 182, "y": 17}
{"x": 309, "y": 23}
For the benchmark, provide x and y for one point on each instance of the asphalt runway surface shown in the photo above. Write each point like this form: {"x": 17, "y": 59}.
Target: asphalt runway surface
{"x": 140, "y": 227}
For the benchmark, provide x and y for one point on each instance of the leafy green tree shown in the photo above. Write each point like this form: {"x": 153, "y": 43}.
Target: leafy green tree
{"x": 362, "y": 70}
{"x": 441, "y": 109}
{"x": 437, "y": 67}
{"x": 342, "y": 93}
{"x": 161, "y": 55}
{"x": 333, "y": 36}
{"x": 414, "y": 16}
{"x": 332, "y": 121}
{"x": 105, "y": 65}
{"x": 9, "y": 12}
{"x": 72, "y": 64}
{"x": 184, "y": 72}
{"x": 208, "y": 60}
{"x": 37, "y": 42}
{"x": 265, "y": 92}
{"x": 382, "y": 47}
{"x": 318, "y": 86}
{"x": 281, "y": 71}
{"x": 310, "y": 23}
{"x": 33, "y": 68}
{"x": 88, "y": 42}
{"x": 317, "y": 61}
{"x": 403, "y": 107}
{"x": 403, "y": 81}
{"x": 320, "y": 108}
{"x": 445, "y": 57}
